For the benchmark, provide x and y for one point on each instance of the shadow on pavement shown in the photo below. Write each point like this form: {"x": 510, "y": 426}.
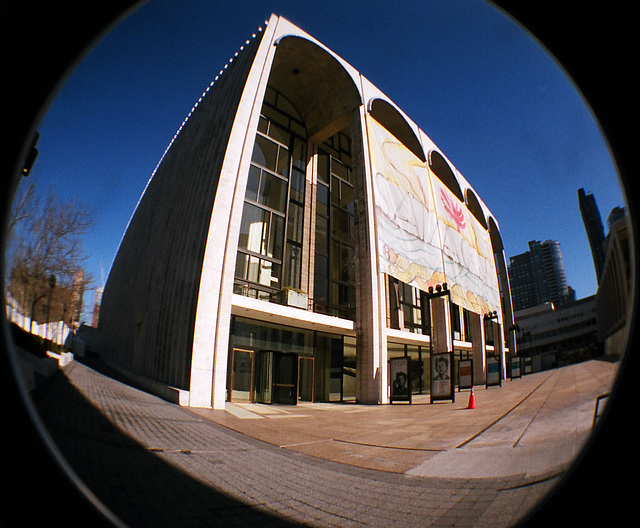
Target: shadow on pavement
{"x": 131, "y": 481}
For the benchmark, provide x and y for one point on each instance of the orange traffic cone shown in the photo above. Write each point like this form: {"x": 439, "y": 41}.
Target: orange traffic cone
{"x": 472, "y": 400}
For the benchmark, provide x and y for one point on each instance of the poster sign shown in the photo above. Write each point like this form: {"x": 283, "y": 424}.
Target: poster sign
{"x": 399, "y": 380}
{"x": 515, "y": 367}
{"x": 527, "y": 365}
{"x": 442, "y": 378}
{"x": 465, "y": 374}
{"x": 493, "y": 371}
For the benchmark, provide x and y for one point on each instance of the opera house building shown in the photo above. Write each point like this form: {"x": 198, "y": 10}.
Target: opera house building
{"x": 299, "y": 234}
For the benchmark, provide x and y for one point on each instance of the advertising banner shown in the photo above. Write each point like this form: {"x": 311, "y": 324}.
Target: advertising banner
{"x": 400, "y": 381}
{"x": 442, "y": 377}
{"x": 426, "y": 235}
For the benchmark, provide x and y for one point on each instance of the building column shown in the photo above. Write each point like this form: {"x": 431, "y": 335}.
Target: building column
{"x": 478, "y": 349}
{"x": 370, "y": 324}
{"x": 441, "y": 325}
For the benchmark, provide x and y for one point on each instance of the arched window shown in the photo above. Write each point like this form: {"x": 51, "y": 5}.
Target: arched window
{"x": 443, "y": 171}
{"x": 476, "y": 209}
{"x": 385, "y": 114}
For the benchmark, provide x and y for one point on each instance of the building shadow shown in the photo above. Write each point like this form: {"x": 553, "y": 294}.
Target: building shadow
{"x": 132, "y": 482}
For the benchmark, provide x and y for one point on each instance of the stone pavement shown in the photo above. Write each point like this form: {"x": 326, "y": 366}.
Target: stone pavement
{"x": 153, "y": 463}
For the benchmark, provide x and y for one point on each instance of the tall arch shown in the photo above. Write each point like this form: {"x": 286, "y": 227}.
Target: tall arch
{"x": 473, "y": 204}
{"x": 315, "y": 82}
{"x": 389, "y": 117}
{"x": 441, "y": 168}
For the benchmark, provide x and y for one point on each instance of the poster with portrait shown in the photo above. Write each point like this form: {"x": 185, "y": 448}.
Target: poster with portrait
{"x": 399, "y": 379}
{"x": 442, "y": 377}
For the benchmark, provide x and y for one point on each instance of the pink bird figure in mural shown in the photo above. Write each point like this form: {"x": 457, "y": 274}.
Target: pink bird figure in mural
{"x": 454, "y": 211}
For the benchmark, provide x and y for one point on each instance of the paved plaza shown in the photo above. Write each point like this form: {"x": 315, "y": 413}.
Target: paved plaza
{"x": 153, "y": 463}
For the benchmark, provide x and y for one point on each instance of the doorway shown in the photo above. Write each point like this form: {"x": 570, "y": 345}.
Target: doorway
{"x": 241, "y": 375}
{"x": 306, "y": 378}
{"x": 264, "y": 376}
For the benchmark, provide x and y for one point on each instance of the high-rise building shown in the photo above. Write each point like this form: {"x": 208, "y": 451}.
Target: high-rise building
{"x": 593, "y": 226}
{"x": 538, "y": 276}
{"x": 288, "y": 243}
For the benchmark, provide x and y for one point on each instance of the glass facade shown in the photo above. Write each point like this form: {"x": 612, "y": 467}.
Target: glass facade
{"x": 269, "y": 254}
{"x": 321, "y": 366}
{"x": 335, "y": 241}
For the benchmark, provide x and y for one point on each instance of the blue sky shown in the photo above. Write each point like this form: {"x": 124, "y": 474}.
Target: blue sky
{"x": 486, "y": 93}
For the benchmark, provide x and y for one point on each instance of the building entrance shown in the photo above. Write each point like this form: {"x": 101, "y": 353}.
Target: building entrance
{"x": 241, "y": 375}
{"x": 265, "y": 376}
{"x": 306, "y": 378}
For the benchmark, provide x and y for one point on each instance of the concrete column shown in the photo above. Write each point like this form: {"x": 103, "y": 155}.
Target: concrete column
{"x": 441, "y": 325}
{"x": 370, "y": 324}
{"x": 477, "y": 350}
{"x": 213, "y": 312}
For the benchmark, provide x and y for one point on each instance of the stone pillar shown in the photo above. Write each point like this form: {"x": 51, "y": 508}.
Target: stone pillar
{"x": 370, "y": 324}
{"x": 441, "y": 325}
{"x": 478, "y": 350}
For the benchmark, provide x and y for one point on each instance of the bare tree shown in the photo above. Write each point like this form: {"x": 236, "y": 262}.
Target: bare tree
{"x": 45, "y": 255}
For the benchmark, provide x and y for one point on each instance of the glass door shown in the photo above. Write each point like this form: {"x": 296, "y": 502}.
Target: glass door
{"x": 263, "y": 378}
{"x": 241, "y": 375}
{"x": 306, "y": 378}
{"x": 285, "y": 378}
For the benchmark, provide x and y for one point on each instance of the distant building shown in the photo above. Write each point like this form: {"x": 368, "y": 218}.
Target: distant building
{"x": 593, "y": 226}
{"x": 97, "y": 299}
{"x": 613, "y": 299}
{"x": 538, "y": 276}
{"x": 558, "y": 335}
{"x": 286, "y": 244}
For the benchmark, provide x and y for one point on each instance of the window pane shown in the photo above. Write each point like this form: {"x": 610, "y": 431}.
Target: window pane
{"x": 253, "y": 269}
{"x": 298, "y": 181}
{"x": 274, "y": 115}
{"x": 294, "y": 228}
{"x": 279, "y": 133}
{"x": 265, "y": 153}
{"x": 339, "y": 224}
{"x": 263, "y": 125}
{"x": 340, "y": 170}
{"x": 276, "y": 237}
{"x": 293, "y": 257}
{"x": 273, "y": 192}
{"x": 283, "y": 162}
{"x": 265, "y": 273}
{"x": 346, "y": 196}
{"x": 323, "y": 200}
{"x": 253, "y": 183}
{"x": 322, "y": 235}
{"x": 242, "y": 265}
{"x": 323, "y": 167}
{"x": 253, "y": 227}
{"x": 321, "y": 281}
{"x": 347, "y": 264}
{"x": 335, "y": 190}
{"x": 335, "y": 260}
{"x": 299, "y": 153}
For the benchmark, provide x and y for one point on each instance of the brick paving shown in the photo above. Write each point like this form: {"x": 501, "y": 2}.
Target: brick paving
{"x": 153, "y": 463}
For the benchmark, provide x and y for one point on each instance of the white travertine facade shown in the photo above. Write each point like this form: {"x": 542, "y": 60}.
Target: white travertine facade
{"x": 295, "y": 177}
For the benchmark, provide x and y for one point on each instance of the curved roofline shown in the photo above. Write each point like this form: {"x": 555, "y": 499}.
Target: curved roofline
{"x": 385, "y": 113}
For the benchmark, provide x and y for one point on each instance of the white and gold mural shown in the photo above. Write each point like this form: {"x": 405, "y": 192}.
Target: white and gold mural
{"x": 426, "y": 236}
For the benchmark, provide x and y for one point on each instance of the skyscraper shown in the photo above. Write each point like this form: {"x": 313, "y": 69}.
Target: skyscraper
{"x": 593, "y": 225}
{"x": 538, "y": 275}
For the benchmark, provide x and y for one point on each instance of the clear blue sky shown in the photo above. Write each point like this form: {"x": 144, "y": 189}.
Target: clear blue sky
{"x": 486, "y": 93}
